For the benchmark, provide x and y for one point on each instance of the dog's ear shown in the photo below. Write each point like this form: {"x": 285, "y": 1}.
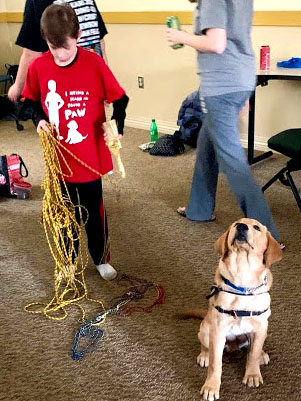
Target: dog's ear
{"x": 221, "y": 245}
{"x": 273, "y": 252}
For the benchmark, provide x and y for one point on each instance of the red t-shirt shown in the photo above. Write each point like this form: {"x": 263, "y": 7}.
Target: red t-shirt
{"x": 73, "y": 99}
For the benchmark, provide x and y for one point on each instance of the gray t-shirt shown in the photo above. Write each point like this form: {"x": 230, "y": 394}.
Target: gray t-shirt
{"x": 234, "y": 70}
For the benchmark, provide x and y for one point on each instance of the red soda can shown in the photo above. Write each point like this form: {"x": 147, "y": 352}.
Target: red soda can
{"x": 265, "y": 57}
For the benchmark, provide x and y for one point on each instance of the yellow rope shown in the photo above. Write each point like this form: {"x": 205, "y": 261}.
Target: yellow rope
{"x": 61, "y": 229}
{"x": 114, "y": 146}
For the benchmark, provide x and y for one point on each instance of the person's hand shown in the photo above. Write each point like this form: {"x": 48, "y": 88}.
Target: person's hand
{"x": 119, "y": 136}
{"x": 174, "y": 36}
{"x": 13, "y": 93}
{"x": 43, "y": 125}
{"x": 245, "y": 110}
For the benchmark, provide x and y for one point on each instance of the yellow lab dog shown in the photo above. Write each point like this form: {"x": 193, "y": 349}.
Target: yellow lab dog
{"x": 239, "y": 302}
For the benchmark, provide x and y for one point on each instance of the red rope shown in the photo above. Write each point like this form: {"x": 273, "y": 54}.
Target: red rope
{"x": 147, "y": 309}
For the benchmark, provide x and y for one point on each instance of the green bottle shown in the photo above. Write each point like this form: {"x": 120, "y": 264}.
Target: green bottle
{"x": 153, "y": 131}
{"x": 173, "y": 22}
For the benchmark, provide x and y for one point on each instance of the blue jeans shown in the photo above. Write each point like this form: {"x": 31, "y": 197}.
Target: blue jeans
{"x": 219, "y": 149}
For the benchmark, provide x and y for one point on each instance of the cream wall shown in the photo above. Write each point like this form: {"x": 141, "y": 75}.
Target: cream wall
{"x": 14, "y": 5}
{"x": 269, "y": 5}
{"x": 4, "y": 35}
{"x": 182, "y": 5}
{"x": 9, "y": 52}
{"x": 6, "y": 44}
{"x": 144, "y": 5}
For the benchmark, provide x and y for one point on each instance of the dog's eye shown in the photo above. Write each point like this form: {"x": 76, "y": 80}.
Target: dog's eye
{"x": 257, "y": 228}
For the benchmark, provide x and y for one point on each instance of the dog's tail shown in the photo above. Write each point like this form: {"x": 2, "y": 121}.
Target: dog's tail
{"x": 196, "y": 313}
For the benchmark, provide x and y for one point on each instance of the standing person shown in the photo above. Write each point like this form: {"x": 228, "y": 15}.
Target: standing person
{"x": 226, "y": 67}
{"x": 30, "y": 39}
{"x": 32, "y": 42}
{"x": 72, "y": 84}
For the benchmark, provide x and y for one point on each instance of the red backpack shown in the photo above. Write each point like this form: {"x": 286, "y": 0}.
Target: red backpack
{"x": 12, "y": 172}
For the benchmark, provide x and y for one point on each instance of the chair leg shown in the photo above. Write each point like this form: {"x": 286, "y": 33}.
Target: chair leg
{"x": 294, "y": 189}
{"x": 275, "y": 178}
{"x": 19, "y": 126}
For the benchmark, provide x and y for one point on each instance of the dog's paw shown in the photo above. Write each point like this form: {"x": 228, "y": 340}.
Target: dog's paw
{"x": 210, "y": 392}
{"x": 203, "y": 359}
{"x": 264, "y": 358}
{"x": 253, "y": 380}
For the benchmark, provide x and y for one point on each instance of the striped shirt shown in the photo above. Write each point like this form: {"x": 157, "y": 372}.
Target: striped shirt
{"x": 90, "y": 22}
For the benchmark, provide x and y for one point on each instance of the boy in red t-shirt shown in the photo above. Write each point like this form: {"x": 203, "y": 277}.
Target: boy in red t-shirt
{"x": 70, "y": 85}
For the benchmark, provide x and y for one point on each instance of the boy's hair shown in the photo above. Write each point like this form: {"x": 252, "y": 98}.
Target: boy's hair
{"x": 58, "y": 23}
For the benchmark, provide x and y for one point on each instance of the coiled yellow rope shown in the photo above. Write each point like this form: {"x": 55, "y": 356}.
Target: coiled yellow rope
{"x": 61, "y": 229}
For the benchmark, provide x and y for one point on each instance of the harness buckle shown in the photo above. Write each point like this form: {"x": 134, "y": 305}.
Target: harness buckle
{"x": 235, "y": 314}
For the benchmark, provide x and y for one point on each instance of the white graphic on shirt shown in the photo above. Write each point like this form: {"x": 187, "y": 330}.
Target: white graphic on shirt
{"x": 75, "y": 102}
{"x": 53, "y": 103}
{"x": 73, "y": 135}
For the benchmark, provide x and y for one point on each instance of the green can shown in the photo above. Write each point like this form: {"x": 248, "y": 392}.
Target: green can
{"x": 173, "y": 22}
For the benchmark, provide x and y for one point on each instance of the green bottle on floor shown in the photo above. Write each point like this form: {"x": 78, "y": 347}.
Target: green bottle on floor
{"x": 153, "y": 131}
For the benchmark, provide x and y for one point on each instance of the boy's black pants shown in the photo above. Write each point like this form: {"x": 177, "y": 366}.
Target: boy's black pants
{"x": 89, "y": 195}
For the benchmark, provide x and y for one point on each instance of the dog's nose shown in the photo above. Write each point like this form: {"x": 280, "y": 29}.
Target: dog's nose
{"x": 241, "y": 227}
{"x": 241, "y": 232}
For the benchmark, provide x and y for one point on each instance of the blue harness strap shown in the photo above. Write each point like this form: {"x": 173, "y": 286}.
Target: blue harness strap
{"x": 241, "y": 291}
{"x": 244, "y": 290}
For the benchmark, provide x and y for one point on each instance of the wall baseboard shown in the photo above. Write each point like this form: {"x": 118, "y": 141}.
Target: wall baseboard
{"x": 167, "y": 127}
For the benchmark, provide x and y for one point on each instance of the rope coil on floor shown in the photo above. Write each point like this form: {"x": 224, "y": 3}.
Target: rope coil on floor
{"x": 90, "y": 333}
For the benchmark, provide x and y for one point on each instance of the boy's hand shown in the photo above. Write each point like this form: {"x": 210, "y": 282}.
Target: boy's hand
{"x": 119, "y": 136}
{"x": 174, "y": 36}
{"x": 43, "y": 125}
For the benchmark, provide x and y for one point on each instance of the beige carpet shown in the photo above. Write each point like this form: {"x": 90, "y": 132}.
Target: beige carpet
{"x": 143, "y": 357}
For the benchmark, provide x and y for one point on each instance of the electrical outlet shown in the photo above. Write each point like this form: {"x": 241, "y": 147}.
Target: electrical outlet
{"x": 140, "y": 81}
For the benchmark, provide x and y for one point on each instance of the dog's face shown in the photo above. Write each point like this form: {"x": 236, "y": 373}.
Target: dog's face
{"x": 250, "y": 236}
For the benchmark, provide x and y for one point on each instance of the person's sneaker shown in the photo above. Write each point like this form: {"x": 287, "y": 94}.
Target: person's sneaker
{"x": 106, "y": 271}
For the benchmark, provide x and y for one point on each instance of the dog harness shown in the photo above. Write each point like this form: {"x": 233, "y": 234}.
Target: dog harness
{"x": 240, "y": 313}
{"x": 241, "y": 291}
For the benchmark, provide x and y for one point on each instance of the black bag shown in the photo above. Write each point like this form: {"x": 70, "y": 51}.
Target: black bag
{"x": 190, "y": 118}
{"x": 167, "y": 145}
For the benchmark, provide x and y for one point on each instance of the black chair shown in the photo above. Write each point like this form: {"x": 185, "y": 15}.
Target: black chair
{"x": 288, "y": 143}
{"x": 5, "y": 79}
